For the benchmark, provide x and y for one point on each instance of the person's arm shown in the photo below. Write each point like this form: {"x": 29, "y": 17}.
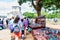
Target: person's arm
{"x": 20, "y": 24}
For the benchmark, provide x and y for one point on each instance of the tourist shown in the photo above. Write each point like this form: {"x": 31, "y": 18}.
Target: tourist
{"x": 16, "y": 25}
{"x": 1, "y": 24}
{"x": 55, "y": 21}
{"x": 11, "y": 26}
{"x": 22, "y": 27}
{"x": 32, "y": 20}
{"x": 28, "y": 23}
{"x": 25, "y": 26}
{"x": 7, "y": 21}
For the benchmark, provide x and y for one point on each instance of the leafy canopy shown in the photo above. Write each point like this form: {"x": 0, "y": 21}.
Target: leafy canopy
{"x": 34, "y": 15}
{"x": 30, "y": 15}
{"x": 44, "y": 3}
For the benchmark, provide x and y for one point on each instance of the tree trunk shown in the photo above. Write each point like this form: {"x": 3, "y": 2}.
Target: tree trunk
{"x": 38, "y": 13}
{"x": 37, "y": 7}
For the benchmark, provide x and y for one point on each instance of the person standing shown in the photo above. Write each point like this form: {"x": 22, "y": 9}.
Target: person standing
{"x": 1, "y": 24}
{"x": 11, "y": 26}
{"x": 7, "y": 20}
{"x": 22, "y": 28}
{"x": 25, "y": 26}
{"x": 55, "y": 21}
{"x": 16, "y": 25}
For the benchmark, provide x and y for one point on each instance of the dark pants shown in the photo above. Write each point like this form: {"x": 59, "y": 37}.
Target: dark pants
{"x": 12, "y": 30}
{"x": 22, "y": 31}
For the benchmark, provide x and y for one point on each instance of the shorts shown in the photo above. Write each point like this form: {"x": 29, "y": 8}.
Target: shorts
{"x": 12, "y": 30}
{"x": 18, "y": 34}
{"x": 22, "y": 31}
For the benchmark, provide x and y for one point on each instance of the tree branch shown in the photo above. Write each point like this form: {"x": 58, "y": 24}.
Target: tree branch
{"x": 33, "y": 4}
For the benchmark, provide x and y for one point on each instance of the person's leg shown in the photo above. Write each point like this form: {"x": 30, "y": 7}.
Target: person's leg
{"x": 23, "y": 36}
{"x": 25, "y": 32}
{"x": 22, "y": 31}
{"x": 19, "y": 36}
{"x": 16, "y": 38}
{"x": 12, "y": 34}
{"x": 7, "y": 24}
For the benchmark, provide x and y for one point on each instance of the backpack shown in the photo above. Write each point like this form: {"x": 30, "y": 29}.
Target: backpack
{"x": 16, "y": 28}
{"x": 11, "y": 27}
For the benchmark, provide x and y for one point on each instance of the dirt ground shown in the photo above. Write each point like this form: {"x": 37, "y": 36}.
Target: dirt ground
{"x": 5, "y": 34}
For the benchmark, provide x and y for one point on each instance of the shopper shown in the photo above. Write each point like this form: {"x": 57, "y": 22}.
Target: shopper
{"x": 22, "y": 28}
{"x": 16, "y": 25}
{"x": 25, "y": 26}
{"x": 11, "y": 26}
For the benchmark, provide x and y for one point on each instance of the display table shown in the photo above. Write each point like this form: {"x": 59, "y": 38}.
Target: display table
{"x": 40, "y": 37}
{"x": 45, "y": 34}
{"x": 38, "y": 34}
{"x": 58, "y": 35}
{"x": 36, "y": 26}
{"x": 40, "y": 22}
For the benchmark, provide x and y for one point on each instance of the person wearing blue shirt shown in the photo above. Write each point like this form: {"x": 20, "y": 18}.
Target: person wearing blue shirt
{"x": 22, "y": 27}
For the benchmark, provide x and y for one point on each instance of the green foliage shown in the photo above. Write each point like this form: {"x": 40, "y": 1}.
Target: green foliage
{"x": 47, "y": 4}
{"x": 58, "y": 15}
{"x": 50, "y": 16}
{"x": 53, "y": 15}
{"x": 30, "y": 15}
{"x": 21, "y": 1}
{"x": 44, "y": 13}
{"x": 34, "y": 15}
